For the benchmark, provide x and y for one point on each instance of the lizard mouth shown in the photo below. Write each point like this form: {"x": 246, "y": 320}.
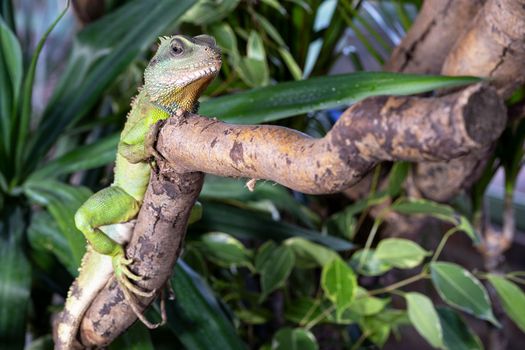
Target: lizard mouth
{"x": 192, "y": 73}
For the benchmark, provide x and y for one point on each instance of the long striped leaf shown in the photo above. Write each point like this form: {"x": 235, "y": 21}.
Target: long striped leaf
{"x": 287, "y": 99}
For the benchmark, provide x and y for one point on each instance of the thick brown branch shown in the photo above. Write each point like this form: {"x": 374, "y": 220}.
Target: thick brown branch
{"x": 434, "y": 32}
{"x": 493, "y": 46}
{"x": 382, "y": 128}
{"x": 155, "y": 246}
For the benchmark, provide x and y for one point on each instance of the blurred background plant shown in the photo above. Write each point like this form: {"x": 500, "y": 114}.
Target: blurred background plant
{"x": 269, "y": 269}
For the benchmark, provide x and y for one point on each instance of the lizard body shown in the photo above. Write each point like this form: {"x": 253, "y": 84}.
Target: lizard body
{"x": 173, "y": 81}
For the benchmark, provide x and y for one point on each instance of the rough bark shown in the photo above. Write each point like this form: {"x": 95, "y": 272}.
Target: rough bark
{"x": 155, "y": 246}
{"x": 492, "y": 46}
{"x": 374, "y": 130}
{"x": 435, "y": 30}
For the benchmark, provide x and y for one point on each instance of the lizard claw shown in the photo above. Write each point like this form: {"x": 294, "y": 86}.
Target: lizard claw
{"x": 124, "y": 275}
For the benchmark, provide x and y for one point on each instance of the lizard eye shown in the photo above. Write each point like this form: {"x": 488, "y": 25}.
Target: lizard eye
{"x": 177, "y": 48}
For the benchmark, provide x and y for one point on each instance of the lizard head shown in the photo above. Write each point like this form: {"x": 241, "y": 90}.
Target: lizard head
{"x": 181, "y": 69}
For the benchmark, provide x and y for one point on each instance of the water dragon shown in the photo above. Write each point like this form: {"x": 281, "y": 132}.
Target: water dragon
{"x": 173, "y": 81}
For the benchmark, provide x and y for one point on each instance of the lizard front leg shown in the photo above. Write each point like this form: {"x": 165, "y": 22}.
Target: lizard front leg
{"x": 111, "y": 205}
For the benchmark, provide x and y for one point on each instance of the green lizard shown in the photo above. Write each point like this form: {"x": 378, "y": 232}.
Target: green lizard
{"x": 173, "y": 82}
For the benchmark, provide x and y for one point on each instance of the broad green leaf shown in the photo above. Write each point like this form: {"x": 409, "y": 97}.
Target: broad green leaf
{"x": 10, "y": 81}
{"x": 424, "y": 318}
{"x": 195, "y": 316}
{"x": 275, "y": 269}
{"x": 437, "y": 210}
{"x": 292, "y": 98}
{"x": 401, "y": 253}
{"x": 243, "y": 223}
{"x": 456, "y": 333}
{"x": 512, "y": 298}
{"x": 209, "y": 11}
{"x": 459, "y": 288}
{"x": 255, "y": 47}
{"x": 294, "y": 339}
{"x": 102, "y": 51}
{"x": 308, "y": 254}
{"x": 371, "y": 266}
{"x": 225, "y": 37}
{"x": 365, "y": 305}
{"x": 396, "y": 178}
{"x": 253, "y": 72}
{"x": 224, "y": 250}
{"x": 85, "y": 157}
{"x": 427, "y": 207}
{"x": 339, "y": 284}
{"x": 263, "y": 255}
{"x": 15, "y": 280}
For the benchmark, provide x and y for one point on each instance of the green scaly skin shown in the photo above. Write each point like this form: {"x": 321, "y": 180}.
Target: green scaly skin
{"x": 173, "y": 81}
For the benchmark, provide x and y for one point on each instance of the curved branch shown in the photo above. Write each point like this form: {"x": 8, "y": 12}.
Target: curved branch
{"x": 376, "y": 129}
{"x": 155, "y": 246}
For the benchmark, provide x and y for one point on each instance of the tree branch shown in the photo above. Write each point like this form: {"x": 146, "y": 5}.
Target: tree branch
{"x": 374, "y": 130}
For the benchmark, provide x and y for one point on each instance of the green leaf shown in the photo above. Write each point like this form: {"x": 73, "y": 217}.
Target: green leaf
{"x": 209, "y": 11}
{"x": 27, "y": 94}
{"x": 15, "y": 281}
{"x": 397, "y": 176}
{"x": 292, "y": 98}
{"x": 195, "y": 317}
{"x": 224, "y": 250}
{"x": 85, "y": 157}
{"x": 456, "y": 333}
{"x": 235, "y": 189}
{"x": 304, "y": 310}
{"x": 255, "y": 47}
{"x": 512, "y": 298}
{"x": 424, "y": 318}
{"x": 102, "y": 51}
{"x": 459, "y": 288}
{"x": 339, "y": 284}
{"x": 268, "y": 27}
{"x": 291, "y": 63}
{"x": 401, "y": 253}
{"x": 427, "y": 207}
{"x": 365, "y": 305}
{"x": 243, "y": 223}
{"x": 263, "y": 254}
{"x": 275, "y": 269}
{"x": 437, "y": 210}
{"x": 294, "y": 339}
{"x": 225, "y": 37}
{"x": 44, "y": 235}
{"x": 371, "y": 266}
{"x": 62, "y": 202}
{"x": 10, "y": 81}
{"x": 308, "y": 254}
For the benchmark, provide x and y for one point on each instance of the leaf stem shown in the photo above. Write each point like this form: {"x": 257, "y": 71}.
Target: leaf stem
{"x": 442, "y": 243}
{"x": 399, "y": 284}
